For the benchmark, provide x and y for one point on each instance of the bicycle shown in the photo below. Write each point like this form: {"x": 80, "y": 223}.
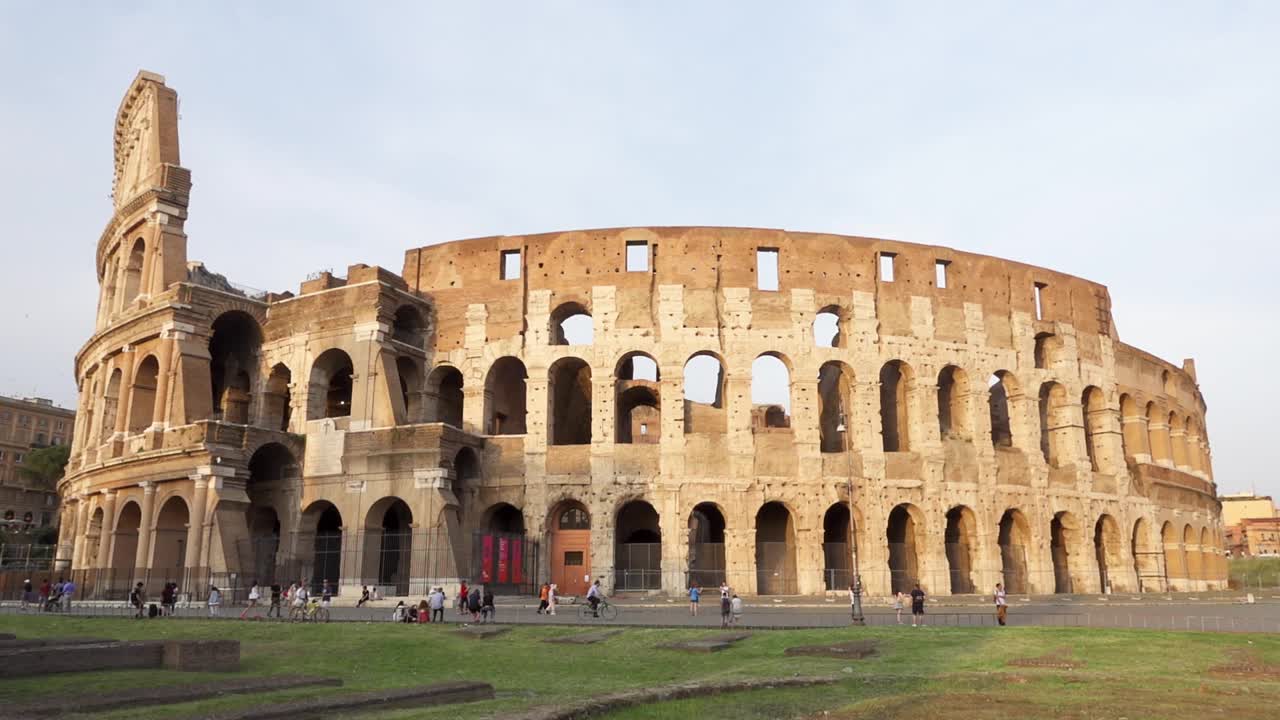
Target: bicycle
{"x": 317, "y": 612}
{"x": 604, "y": 611}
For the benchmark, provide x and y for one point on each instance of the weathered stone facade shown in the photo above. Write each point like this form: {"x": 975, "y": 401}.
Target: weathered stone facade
{"x": 984, "y": 413}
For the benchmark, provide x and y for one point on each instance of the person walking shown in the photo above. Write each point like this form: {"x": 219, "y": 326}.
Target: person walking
{"x": 437, "y": 605}
{"x": 726, "y": 610}
{"x": 488, "y": 611}
{"x": 215, "y": 601}
{"x": 68, "y": 591}
{"x": 1002, "y": 605}
{"x": 917, "y": 606}
{"x": 463, "y": 594}
{"x": 45, "y": 588}
{"x": 137, "y": 598}
{"x": 898, "y": 600}
{"x": 473, "y": 604}
{"x": 736, "y": 607}
{"x": 542, "y": 597}
{"x": 553, "y": 598}
{"x": 695, "y": 594}
{"x": 254, "y": 594}
{"x": 275, "y": 601}
{"x": 166, "y": 597}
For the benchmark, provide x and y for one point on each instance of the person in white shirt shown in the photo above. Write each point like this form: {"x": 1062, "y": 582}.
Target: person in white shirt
{"x": 254, "y": 594}
{"x": 1002, "y": 604}
{"x": 594, "y": 596}
{"x": 553, "y": 596}
{"x": 215, "y": 601}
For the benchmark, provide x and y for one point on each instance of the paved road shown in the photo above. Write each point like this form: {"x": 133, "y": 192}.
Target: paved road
{"x": 1181, "y": 614}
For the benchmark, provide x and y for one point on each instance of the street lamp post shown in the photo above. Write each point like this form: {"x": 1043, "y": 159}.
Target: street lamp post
{"x": 858, "y": 618}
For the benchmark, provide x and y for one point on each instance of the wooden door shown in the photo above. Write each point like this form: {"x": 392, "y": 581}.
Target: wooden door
{"x": 571, "y": 561}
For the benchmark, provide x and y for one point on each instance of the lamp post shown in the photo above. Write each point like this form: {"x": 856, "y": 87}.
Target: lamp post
{"x": 858, "y": 618}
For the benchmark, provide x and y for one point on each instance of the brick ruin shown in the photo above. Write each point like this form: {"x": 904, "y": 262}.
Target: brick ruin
{"x": 648, "y": 406}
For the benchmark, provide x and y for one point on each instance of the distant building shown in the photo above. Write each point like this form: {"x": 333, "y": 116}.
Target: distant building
{"x": 28, "y": 424}
{"x": 1239, "y": 506}
{"x": 1251, "y": 523}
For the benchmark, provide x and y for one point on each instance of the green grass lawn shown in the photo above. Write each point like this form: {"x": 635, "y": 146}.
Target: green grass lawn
{"x": 937, "y": 673}
{"x": 1253, "y": 573}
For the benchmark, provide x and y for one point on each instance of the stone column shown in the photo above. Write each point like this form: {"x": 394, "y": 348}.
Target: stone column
{"x": 146, "y": 527}
{"x": 159, "y": 413}
{"x": 108, "y": 528}
{"x": 195, "y": 523}
{"x": 78, "y": 549}
{"x": 124, "y": 401}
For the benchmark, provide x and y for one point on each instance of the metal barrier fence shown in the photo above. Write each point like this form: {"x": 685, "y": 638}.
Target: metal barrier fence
{"x": 27, "y": 556}
{"x": 638, "y": 566}
{"x": 706, "y": 565}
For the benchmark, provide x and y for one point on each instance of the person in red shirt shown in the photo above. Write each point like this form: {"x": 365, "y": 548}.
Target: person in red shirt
{"x": 462, "y": 600}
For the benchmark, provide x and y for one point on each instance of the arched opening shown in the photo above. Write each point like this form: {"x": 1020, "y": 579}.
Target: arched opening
{"x": 1063, "y": 532}
{"x": 835, "y": 404}
{"x": 570, "y": 525}
{"x": 388, "y": 545}
{"x": 1014, "y": 537}
{"x": 1178, "y": 440}
{"x": 501, "y": 556}
{"x": 273, "y": 471}
{"x": 904, "y": 568}
{"x": 1055, "y": 424}
{"x": 1167, "y": 384}
{"x": 569, "y": 397}
{"x": 325, "y": 524}
{"x": 111, "y": 404}
{"x": 837, "y": 555}
{"x": 1146, "y": 563}
{"x": 638, "y": 558}
{"x": 93, "y": 542}
{"x": 143, "y": 396}
{"x": 1095, "y": 412}
{"x": 1157, "y": 434}
{"x": 133, "y": 271}
{"x": 125, "y": 541}
{"x": 1133, "y": 436}
{"x": 1209, "y": 557}
{"x": 409, "y": 327}
{"x": 277, "y": 398}
{"x": 331, "y": 385}
{"x": 953, "y": 401}
{"x": 1194, "y": 448}
{"x": 466, "y": 470}
{"x": 1195, "y": 558}
{"x": 636, "y": 393}
{"x": 1175, "y": 559}
{"x": 233, "y": 365}
{"x": 504, "y": 397}
{"x": 1106, "y": 549}
{"x": 895, "y": 394}
{"x": 704, "y": 385}
{"x": 961, "y": 539}
{"x": 410, "y": 389}
{"x": 168, "y": 550}
{"x": 828, "y": 327}
{"x": 444, "y": 399}
{"x": 504, "y": 518}
{"x": 1002, "y": 386}
{"x": 770, "y": 392}
{"x": 706, "y": 545}
{"x": 1046, "y": 350}
{"x": 571, "y": 324}
{"x": 775, "y": 550}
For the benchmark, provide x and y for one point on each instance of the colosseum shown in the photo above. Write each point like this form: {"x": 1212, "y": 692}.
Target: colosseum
{"x": 646, "y": 406}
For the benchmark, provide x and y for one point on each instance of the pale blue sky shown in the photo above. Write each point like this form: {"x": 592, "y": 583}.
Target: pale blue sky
{"x": 1134, "y": 144}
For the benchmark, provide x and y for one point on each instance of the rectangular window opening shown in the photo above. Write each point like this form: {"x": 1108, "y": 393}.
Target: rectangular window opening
{"x": 510, "y": 265}
{"x": 767, "y": 269}
{"x": 1040, "y": 300}
{"x": 637, "y": 256}
{"x": 644, "y": 428}
{"x": 886, "y": 266}
{"x": 573, "y": 558}
{"x": 940, "y": 273}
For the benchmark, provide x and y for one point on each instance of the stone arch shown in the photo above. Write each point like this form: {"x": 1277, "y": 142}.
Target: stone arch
{"x": 569, "y": 525}
{"x": 569, "y": 402}
{"x": 1001, "y": 387}
{"x": 111, "y": 403}
{"x": 1095, "y": 417}
{"x": 1064, "y": 540}
{"x": 1047, "y": 346}
{"x": 1055, "y": 424}
{"x": 706, "y": 545}
{"x": 638, "y": 554}
{"x": 896, "y": 385}
{"x": 93, "y": 547}
{"x": 233, "y": 365}
{"x": 1208, "y": 556}
{"x": 124, "y": 545}
{"x": 961, "y": 543}
{"x": 168, "y": 550}
{"x": 838, "y": 528}
{"x": 331, "y": 385}
{"x": 277, "y": 399}
{"x": 503, "y": 517}
{"x": 444, "y": 398}
{"x": 323, "y": 537}
{"x": 1145, "y": 557}
{"x": 388, "y": 541}
{"x": 1133, "y": 435}
{"x": 1108, "y": 554}
{"x": 1178, "y": 440}
{"x": 504, "y": 397}
{"x": 1175, "y": 559}
{"x": 466, "y": 469}
{"x": 637, "y": 393}
{"x": 771, "y": 390}
{"x": 1195, "y": 437}
{"x": 904, "y": 529}
{"x": 704, "y": 389}
{"x": 775, "y": 550}
{"x": 953, "y": 404}
{"x": 1195, "y": 559}
{"x": 409, "y": 326}
{"x": 133, "y": 271}
{"x": 835, "y": 406}
{"x": 142, "y": 398}
{"x": 571, "y": 324}
{"x": 273, "y": 470}
{"x": 1157, "y": 434}
{"x": 1014, "y": 538}
{"x": 829, "y": 327}
{"x": 410, "y": 373}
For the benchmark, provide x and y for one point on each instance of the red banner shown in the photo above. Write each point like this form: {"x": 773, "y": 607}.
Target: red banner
{"x": 486, "y": 558}
{"x": 517, "y": 566}
{"x": 503, "y": 545}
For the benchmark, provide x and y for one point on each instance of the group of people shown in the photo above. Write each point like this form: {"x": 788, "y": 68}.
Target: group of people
{"x": 917, "y": 597}
{"x": 55, "y": 597}
{"x": 430, "y": 609}
{"x": 168, "y": 601}
{"x": 730, "y": 604}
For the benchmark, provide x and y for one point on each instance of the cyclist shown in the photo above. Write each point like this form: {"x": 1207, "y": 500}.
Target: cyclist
{"x": 594, "y": 596}
{"x": 313, "y": 608}
{"x": 299, "y": 603}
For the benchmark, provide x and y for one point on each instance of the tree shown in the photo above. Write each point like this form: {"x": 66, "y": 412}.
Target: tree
{"x": 45, "y": 465}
